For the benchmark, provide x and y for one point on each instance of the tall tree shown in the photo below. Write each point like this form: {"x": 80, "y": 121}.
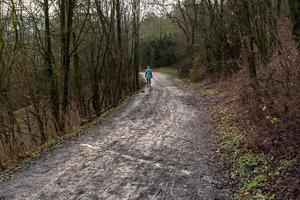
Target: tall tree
{"x": 66, "y": 22}
{"x": 136, "y": 40}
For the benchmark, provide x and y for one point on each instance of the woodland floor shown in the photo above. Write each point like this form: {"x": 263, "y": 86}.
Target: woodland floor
{"x": 159, "y": 147}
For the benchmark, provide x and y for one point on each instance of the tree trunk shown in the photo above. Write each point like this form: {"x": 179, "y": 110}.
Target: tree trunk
{"x": 50, "y": 71}
{"x": 120, "y": 50}
{"x": 77, "y": 76}
{"x": 67, "y": 7}
{"x": 136, "y": 38}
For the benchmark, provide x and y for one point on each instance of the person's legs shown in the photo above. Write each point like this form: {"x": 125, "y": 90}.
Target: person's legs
{"x": 149, "y": 82}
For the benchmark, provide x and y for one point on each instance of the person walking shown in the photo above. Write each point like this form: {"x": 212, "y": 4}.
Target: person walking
{"x": 148, "y": 76}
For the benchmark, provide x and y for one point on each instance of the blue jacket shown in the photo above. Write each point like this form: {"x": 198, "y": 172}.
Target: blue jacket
{"x": 148, "y": 73}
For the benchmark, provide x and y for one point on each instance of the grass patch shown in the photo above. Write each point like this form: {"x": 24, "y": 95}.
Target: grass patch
{"x": 168, "y": 70}
{"x": 50, "y": 144}
{"x": 142, "y": 80}
{"x": 172, "y": 72}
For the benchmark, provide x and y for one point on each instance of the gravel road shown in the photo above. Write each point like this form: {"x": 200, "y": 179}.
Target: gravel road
{"x": 159, "y": 147}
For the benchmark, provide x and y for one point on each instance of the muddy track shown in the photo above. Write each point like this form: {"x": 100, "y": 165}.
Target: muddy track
{"x": 158, "y": 147}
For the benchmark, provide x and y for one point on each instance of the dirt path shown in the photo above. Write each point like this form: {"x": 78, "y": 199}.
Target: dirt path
{"x": 159, "y": 147}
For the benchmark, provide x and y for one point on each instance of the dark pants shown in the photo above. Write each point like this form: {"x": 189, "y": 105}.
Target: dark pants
{"x": 148, "y": 82}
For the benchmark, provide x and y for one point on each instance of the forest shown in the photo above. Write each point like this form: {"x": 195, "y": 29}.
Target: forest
{"x": 65, "y": 62}
{"x": 61, "y": 64}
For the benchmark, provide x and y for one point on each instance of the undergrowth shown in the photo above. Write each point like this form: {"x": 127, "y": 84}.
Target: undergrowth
{"x": 257, "y": 173}
{"x": 203, "y": 91}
